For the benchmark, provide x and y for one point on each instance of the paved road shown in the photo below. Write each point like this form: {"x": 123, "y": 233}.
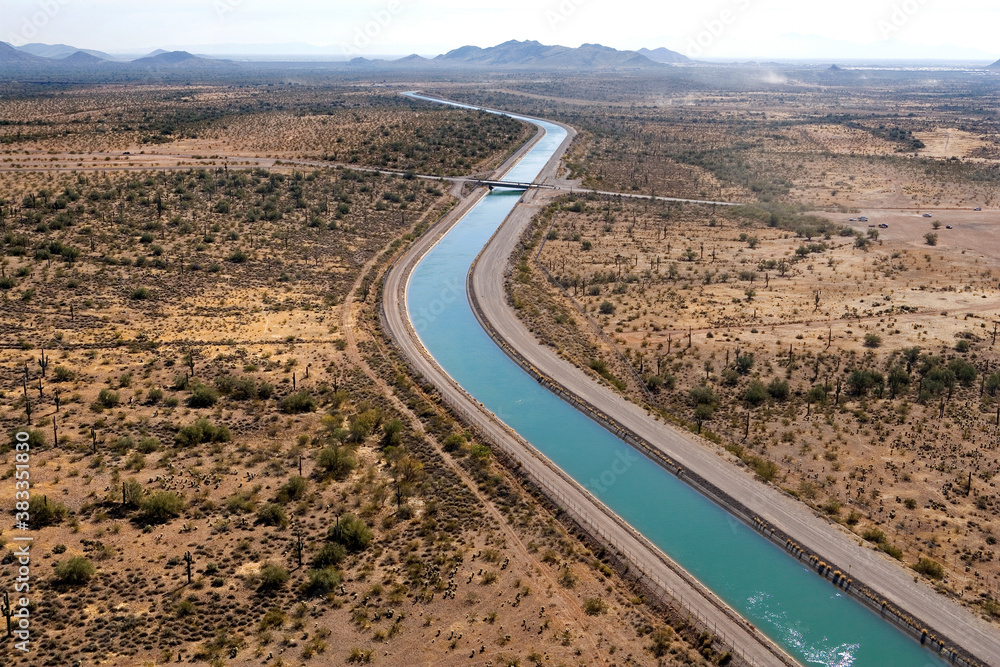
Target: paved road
{"x": 660, "y": 572}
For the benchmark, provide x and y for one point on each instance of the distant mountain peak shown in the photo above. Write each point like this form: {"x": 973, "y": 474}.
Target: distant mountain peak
{"x": 995, "y": 65}
{"x": 664, "y": 55}
{"x": 10, "y": 54}
{"x": 533, "y": 54}
{"x": 81, "y": 58}
{"x": 59, "y": 51}
{"x": 170, "y": 58}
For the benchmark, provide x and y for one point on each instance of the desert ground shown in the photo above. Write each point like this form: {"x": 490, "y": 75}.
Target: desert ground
{"x": 190, "y": 281}
{"x": 229, "y": 464}
{"x": 850, "y": 362}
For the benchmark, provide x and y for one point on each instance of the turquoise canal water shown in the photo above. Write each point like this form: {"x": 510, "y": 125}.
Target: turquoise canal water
{"x": 809, "y": 617}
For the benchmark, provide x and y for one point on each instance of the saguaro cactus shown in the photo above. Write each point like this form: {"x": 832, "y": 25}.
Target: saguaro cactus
{"x": 7, "y": 611}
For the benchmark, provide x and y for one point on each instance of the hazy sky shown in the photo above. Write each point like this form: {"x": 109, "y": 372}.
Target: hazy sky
{"x": 713, "y": 28}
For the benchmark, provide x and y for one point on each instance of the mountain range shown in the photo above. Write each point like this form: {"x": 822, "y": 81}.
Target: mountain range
{"x": 662, "y": 55}
{"x": 60, "y": 51}
{"x": 162, "y": 58}
{"x": 511, "y": 54}
{"x": 62, "y": 55}
{"x": 535, "y": 55}
{"x": 10, "y": 55}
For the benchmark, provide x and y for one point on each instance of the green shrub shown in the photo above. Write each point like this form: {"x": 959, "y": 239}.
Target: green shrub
{"x": 594, "y": 606}
{"x": 36, "y": 439}
{"x": 454, "y": 443}
{"x": 201, "y": 431}
{"x": 336, "y": 461}
{"x": 123, "y": 445}
{"x": 778, "y": 389}
{"x": 964, "y": 371}
{"x": 74, "y": 571}
{"x": 321, "y": 582}
{"x": 161, "y": 506}
{"x": 148, "y": 445}
{"x": 132, "y": 492}
{"x": 240, "y": 388}
{"x": 330, "y": 554}
{"x": 744, "y": 363}
{"x": 108, "y": 398}
{"x": 351, "y": 532}
{"x": 63, "y": 374}
{"x": 140, "y": 294}
{"x": 293, "y": 489}
{"x": 392, "y": 433}
{"x": 272, "y": 577}
{"x": 364, "y": 424}
{"x": 202, "y": 396}
{"x": 662, "y": 638}
{"x": 929, "y": 568}
{"x": 43, "y": 512}
{"x": 860, "y": 382}
{"x": 185, "y": 608}
{"x": 240, "y": 503}
{"x": 756, "y": 393}
{"x": 872, "y": 340}
{"x": 765, "y": 469}
{"x": 272, "y": 515}
{"x": 873, "y": 535}
{"x": 274, "y": 618}
{"x": 702, "y": 395}
{"x": 298, "y": 403}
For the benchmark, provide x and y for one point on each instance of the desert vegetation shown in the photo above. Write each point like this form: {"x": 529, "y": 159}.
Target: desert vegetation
{"x": 229, "y": 466}
{"x": 850, "y": 363}
{"x": 152, "y": 126}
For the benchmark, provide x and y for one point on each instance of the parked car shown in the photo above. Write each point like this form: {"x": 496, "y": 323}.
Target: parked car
{"x": 883, "y": 226}
{"x": 927, "y": 215}
{"x": 862, "y": 219}
{"x": 947, "y": 226}
{"x": 978, "y": 208}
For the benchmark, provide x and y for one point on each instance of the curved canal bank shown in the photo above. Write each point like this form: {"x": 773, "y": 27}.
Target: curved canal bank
{"x": 808, "y": 616}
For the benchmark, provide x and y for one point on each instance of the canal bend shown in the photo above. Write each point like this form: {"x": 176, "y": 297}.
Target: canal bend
{"x": 807, "y": 616}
